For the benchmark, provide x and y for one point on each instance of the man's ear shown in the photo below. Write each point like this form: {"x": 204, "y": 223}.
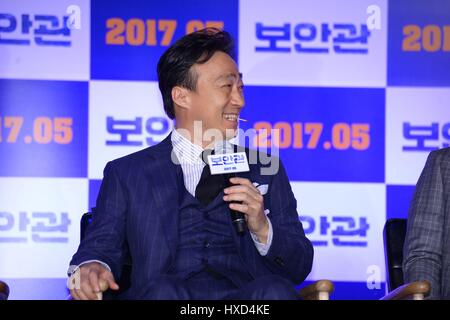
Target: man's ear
{"x": 181, "y": 97}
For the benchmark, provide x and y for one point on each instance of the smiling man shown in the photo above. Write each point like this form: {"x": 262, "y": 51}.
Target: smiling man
{"x": 150, "y": 206}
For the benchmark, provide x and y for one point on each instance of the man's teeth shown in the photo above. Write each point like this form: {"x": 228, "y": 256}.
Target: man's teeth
{"x": 231, "y": 117}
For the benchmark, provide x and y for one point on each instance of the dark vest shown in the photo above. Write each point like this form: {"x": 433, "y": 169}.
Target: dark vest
{"x": 206, "y": 243}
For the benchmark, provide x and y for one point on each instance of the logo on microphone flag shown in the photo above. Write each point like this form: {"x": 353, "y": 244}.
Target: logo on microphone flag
{"x": 228, "y": 163}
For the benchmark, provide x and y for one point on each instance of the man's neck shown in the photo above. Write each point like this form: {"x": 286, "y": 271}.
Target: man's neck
{"x": 197, "y": 140}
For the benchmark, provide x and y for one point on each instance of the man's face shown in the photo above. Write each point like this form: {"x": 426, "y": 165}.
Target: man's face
{"x": 218, "y": 98}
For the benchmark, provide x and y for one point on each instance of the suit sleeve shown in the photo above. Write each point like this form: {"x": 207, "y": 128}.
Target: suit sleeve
{"x": 104, "y": 238}
{"x": 291, "y": 253}
{"x": 426, "y": 221}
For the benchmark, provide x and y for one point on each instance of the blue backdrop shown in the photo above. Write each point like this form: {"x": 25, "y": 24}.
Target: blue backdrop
{"x": 358, "y": 90}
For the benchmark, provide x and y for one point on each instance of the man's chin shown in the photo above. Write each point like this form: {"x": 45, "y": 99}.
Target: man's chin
{"x": 230, "y": 133}
{"x": 219, "y": 134}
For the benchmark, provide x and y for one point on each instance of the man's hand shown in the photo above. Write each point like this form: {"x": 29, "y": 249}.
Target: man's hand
{"x": 252, "y": 206}
{"x": 93, "y": 280}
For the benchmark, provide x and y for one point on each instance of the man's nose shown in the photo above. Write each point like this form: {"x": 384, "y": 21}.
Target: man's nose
{"x": 237, "y": 98}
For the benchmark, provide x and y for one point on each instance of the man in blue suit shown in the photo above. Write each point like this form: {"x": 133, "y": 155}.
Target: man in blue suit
{"x": 148, "y": 206}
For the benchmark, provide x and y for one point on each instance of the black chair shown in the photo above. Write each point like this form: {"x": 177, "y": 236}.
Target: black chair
{"x": 394, "y": 238}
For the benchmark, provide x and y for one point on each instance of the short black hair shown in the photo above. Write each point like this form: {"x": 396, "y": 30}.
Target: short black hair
{"x": 174, "y": 66}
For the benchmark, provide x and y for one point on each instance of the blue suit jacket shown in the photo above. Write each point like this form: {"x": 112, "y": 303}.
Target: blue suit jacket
{"x": 137, "y": 215}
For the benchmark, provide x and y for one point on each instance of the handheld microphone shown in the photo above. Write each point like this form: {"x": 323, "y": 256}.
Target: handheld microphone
{"x": 237, "y": 218}
{"x": 228, "y": 163}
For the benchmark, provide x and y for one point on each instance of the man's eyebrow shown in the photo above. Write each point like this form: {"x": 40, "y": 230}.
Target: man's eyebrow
{"x": 228, "y": 76}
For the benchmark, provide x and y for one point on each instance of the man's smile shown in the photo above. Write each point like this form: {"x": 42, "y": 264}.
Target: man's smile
{"x": 231, "y": 116}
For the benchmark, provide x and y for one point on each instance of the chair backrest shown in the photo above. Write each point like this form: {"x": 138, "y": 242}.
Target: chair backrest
{"x": 394, "y": 237}
{"x": 86, "y": 219}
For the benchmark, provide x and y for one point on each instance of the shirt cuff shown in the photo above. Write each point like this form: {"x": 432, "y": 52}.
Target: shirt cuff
{"x": 263, "y": 248}
{"x": 74, "y": 268}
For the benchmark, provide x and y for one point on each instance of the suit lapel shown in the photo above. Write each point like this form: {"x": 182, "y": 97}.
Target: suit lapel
{"x": 164, "y": 178}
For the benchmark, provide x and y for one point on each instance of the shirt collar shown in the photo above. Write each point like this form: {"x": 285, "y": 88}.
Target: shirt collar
{"x": 186, "y": 151}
